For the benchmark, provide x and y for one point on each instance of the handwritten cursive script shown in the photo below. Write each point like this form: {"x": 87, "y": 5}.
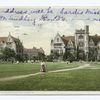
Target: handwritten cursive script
{"x": 48, "y": 14}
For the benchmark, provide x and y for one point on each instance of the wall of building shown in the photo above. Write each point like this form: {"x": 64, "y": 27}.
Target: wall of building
{"x": 58, "y": 45}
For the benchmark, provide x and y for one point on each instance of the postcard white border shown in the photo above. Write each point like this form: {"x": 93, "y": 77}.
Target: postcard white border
{"x": 49, "y": 93}
{"x": 69, "y": 3}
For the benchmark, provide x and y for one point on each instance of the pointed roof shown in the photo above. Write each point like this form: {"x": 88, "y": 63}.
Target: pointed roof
{"x": 3, "y": 39}
{"x": 57, "y": 35}
{"x": 41, "y": 50}
{"x": 95, "y": 39}
{"x": 15, "y": 39}
{"x": 67, "y": 38}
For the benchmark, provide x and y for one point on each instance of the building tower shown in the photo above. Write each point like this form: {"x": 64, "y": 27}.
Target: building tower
{"x": 86, "y": 41}
{"x": 81, "y": 42}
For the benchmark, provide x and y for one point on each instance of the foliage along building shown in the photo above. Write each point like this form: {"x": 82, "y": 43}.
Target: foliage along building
{"x": 34, "y": 53}
{"x": 80, "y": 46}
{"x": 12, "y": 43}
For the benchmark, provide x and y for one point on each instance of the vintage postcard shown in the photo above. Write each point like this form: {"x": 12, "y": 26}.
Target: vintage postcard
{"x": 49, "y": 49}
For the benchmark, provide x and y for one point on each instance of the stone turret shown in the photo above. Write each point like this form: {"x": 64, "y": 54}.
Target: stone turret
{"x": 87, "y": 29}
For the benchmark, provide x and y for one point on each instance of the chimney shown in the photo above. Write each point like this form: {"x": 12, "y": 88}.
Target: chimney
{"x": 63, "y": 35}
{"x": 87, "y": 29}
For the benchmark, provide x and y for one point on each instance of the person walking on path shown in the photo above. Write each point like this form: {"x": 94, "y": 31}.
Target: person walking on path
{"x": 42, "y": 67}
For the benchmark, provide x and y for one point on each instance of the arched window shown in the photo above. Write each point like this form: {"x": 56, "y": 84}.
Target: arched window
{"x": 81, "y": 37}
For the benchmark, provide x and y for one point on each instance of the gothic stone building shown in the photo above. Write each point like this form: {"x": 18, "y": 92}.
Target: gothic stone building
{"x": 12, "y": 43}
{"x": 85, "y": 47}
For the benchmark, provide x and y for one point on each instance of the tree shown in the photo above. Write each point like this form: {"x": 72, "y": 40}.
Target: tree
{"x": 20, "y": 57}
{"x": 92, "y": 54}
{"x": 35, "y": 58}
{"x": 65, "y": 54}
{"x": 8, "y": 53}
{"x": 50, "y": 58}
{"x": 41, "y": 56}
{"x": 69, "y": 54}
{"x": 26, "y": 57}
{"x": 81, "y": 55}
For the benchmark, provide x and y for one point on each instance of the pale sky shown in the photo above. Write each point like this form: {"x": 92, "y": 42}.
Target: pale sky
{"x": 41, "y": 35}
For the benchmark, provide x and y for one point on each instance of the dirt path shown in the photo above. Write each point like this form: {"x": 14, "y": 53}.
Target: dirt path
{"x": 28, "y": 75}
{"x": 80, "y": 67}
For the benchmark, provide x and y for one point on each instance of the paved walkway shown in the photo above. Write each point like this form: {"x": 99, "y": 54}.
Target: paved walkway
{"x": 28, "y": 75}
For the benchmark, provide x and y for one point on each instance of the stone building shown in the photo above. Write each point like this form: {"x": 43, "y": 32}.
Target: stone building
{"x": 85, "y": 46}
{"x": 12, "y": 43}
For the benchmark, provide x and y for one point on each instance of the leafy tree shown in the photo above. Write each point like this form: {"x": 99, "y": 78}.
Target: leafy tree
{"x": 56, "y": 55}
{"x": 41, "y": 56}
{"x": 65, "y": 56}
{"x": 92, "y": 54}
{"x": 20, "y": 57}
{"x": 50, "y": 58}
{"x": 81, "y": 55}
{"x": 68, "y": 55}
{"x": 8, "y": 53}
{"x": 26, "y": 57}
{"x": 35, "y": 58}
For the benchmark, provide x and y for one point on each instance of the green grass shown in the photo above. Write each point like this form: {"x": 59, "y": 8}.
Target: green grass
{"x": 76, "y": 80}
{"x": 9, "y": 69}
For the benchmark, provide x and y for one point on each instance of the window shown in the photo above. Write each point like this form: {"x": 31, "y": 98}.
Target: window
{"x": 57, "y": 51}
{"x": 81, "y": 44}
{"x": 91, "y": 43}
{"x": 61, "y": 51}
{"x": 80, "y": 37}
{"x": 3, "y": 41}
{"x": 57, "y": 39}
{"x": 70, "y": 45}
{"x": 57, "y": 44}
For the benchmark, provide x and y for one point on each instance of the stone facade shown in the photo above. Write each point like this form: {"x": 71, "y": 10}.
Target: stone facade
{"x": 81, "y": 42}
{"x": 12, "y": 43}
{"x": 57, "y": 44}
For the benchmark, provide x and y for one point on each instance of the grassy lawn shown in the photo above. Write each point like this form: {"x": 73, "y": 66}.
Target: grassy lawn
{"x": 29, "y": 68}
{"x": 86, "y": 79}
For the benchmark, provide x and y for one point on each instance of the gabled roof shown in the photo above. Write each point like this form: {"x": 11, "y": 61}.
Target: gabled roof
{"x": 15, "y": 39}
{"x": 67, "y": 38}
{"x": 40, "y": 50}
{"x": 3, "y": 39}
{"x": 51, "y": 41}
{"x": 95, "y": 39}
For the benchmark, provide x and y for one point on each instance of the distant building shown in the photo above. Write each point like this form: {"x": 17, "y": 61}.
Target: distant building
{"x": 86, "y": 46}
{"x": 12, "y": 43}
{"x": 34, "y": 52}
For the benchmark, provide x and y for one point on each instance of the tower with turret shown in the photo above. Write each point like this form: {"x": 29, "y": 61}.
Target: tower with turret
{"x": 82, "y": 40}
